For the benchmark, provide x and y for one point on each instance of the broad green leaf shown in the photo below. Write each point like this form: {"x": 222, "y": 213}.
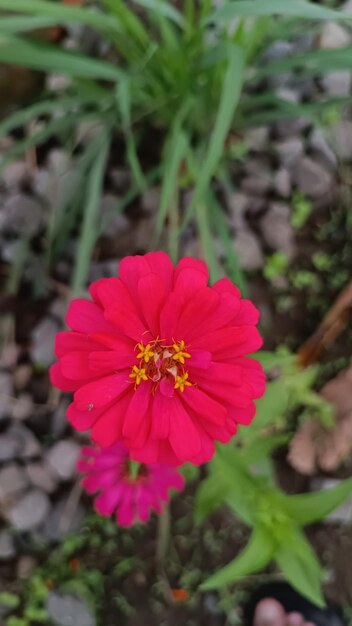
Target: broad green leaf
{"x": 273, "y": 405}
{"x": 211, "y": 493}
{"x": 231, "y": 91}
{"x": 257, "y": 553}
{"x": 295, "y": 8}
{"x": 62, "y": 14}
{"x": 312, "y": 507}
{"x": 301, "y": 567}
{"x": 261, "y": 448}
{"x": 90, "y": 231}
{"x": 274, "y": 359}
{"x": 41, "y": 56}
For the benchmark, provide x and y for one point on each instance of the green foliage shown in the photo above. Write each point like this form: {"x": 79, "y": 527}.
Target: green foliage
{"x": 9, "y": 600}
{"x": 275, "y": 265}
{"x": 301, "y": 210}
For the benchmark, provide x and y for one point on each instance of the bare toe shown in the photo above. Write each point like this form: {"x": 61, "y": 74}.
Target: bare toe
{"x": 269, "y": 612}
{"x": 295, "y": 619}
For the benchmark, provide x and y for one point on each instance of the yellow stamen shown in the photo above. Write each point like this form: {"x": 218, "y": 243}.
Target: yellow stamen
{"x": 146, "y": 352}
{"x": 182, "y": 382}
{"x": 180, "y": 353}
{"x": 139, "y": 374}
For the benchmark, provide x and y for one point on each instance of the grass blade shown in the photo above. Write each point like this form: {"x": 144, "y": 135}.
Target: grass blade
{"x": 294, "y": 8}
{"x": 17, "y": 24}
{"x": 175, "y": 153}
{"x": 230, "y": 95}
{"x": 90, "y": 222}
{"x": 40, "y": 56}
{"x": 164, "y": 9}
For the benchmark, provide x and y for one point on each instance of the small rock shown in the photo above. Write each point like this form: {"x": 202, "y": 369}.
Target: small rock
{"x": 278, "y": 50}
{"x": 58, "y": 309}
{"x": 257, "y": 138}
{"x": 59, "y": 420}
{"x": 322, "y": 150}
{"x": 25, "y": 566}
{"x": 41, "y": 475}
{"x": 289, "y": 151}
{"x": 337, "y": 84}
{"x": 151, "y": 200}
{"x": 290, "y": 95}
{"x": 10, "y": 447}
{"x": 237, "y": 204}
{"x": 6, "y": 393}
{"x": 59, "y": 162}
{"x": 256, "y": 205}
{"x": 7, "y": 546}
{"x": 13, "y": 480}
{"x": 256, "y": 185}
{"x": 282, "y": 183}
{"x": 62, "y": 458}
{"x": 22, "y": 376}
{"x": 347, "y": 6}
{"x": 62, "y": 522}
{"x": 58, "y": 82}
{"x": 22, "y": 407}
{"x": 15, "y": 174}
{"x": 291, "y": 126}
{"x": 87, "y": 131}
{"x": 249, "y": 252}
{"x": 21, "y": 215}
{"x": 30, "y": 511}
{"x": 67, "y": 610}
{"x": 28, "y": 444}
{"x": 341, "y": 136}
{"x": 120, "y": 178}
{"x": 43, "y": 183}
{"x": 334, "y": 36}
{"x": 277, "y": 230}
{"x": 312, "y": 179}
{"x": 43, "y": 337}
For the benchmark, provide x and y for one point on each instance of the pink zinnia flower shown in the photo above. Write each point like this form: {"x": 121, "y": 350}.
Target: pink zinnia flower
{"x": 157, "y": 360}
{"x": 131, "y": 497}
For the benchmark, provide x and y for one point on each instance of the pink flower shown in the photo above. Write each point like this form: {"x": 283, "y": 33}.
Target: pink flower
{"x": 131, "y": 497}
{"x": 157, "y": 360}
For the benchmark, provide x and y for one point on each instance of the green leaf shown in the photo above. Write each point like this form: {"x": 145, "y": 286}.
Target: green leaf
{"x": 175, "y": 154}
{"x": 62, "y": 14}
{"x": 295, "y": 8}
{"x": 165, "y": 9}
{"x": 231, "y": 91}
{"x": 257, "y": 553}
{"x": 17, "y": 24}
{"x": 211, "y": 493}
{"x": 90, "y": 231}
{"x": 301, "y": 567}
{"x": 312, "y": 507}
{"x": 313, "y": 62}
{"x": 274, "y": 359}
{"x": 272, "y": 406}
{"x": 41, "y": 56}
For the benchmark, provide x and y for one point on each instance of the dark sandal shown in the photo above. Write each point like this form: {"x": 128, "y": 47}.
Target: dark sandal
{"x": 294, "y": 602}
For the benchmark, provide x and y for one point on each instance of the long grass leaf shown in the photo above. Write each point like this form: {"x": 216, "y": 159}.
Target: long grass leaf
{"x": 175, "y": 154}
{"x": 313, "y": 62}
{"x": 163, "y": 8}
{"x": 255, "y": 8}
{"x": 40, "y": 56}
{"x": 230, "y": 95}
{"x": 90, "y": 228}
{"x": 17, "y": 24}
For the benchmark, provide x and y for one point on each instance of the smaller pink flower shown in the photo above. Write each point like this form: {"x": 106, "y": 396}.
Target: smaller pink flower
{"x": 132, "y": 498}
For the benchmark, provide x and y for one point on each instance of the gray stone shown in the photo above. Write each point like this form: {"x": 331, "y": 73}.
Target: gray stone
{"x": 10, "y": 447}
{"x": 62, "y": 521}
{"x": 277, "y": 230}
{"x": 30, "y": 511}
{"x": 43, "y": 338}
{"x": 59, "y": 420}
{"x": 291, "y": 126}
{"x": 7, "y": 546}
{"x": 28, "y": 445}
{"x": 312, "y": 179}
{"x": 13, "y": 480}
{"x": 237, "y": 204}
{"x": 21, "y": 215}
{"x": 256, "y": 205}
{"x": 57, "y": 82}
{"x": 120, "y": 178}
{"x": 322, "y": 150}
{"x": 87, "y": 131}
{"x": 6, "y": 393}
{"x": 282, "y": 183}
{"x": 62, "y": 458}
{"x": 25, "y": 566}
{"x": 334, "y": 36}
{"x": 347, "y": 6}
{"x": 289, "y": 151}
{"x": 256, "y": 185}
{"x": 44, "y": 184}
{"x": 15, "y": 174}
{"x": 59, "y": 162}
{"x": 278, "y": 50}
{"x": 151, "y": 200}
{"x": 42, "y": 476}
{"x": 257, "y": 138}
{"x": 337, "y": 84}
{"x": 68, "y": 610}
{"x": 249, "y": 252}
{"x": 341, "y": 136}
{"x": 22, "y": 408}
{"x": 290, "y": 95}
{"x": 58, "y": 308}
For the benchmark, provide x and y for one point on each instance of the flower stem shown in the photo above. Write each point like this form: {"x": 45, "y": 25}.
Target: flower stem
{"x": 133, "y": 468}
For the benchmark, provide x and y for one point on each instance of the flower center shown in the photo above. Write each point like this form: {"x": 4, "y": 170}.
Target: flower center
{"x": 158, "y": 361}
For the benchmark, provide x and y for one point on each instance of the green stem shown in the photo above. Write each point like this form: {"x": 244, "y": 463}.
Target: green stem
{"x": 133, "y": 468}
{"x": 163, "y": 537}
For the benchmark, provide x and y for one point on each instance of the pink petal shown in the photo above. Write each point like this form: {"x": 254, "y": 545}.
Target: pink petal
{"x": 190, "y": 275}
{"x": 230, "y": 342}
{"x": 224, "y": 313}
{"x": 242, "y": 416}
{"x": 85, "y": 316}
{"x": 128, "y": 321}
{"x": 224, "y": 285}
{"x": 69, "y": 341}
{"x": 107, "y": 502}
{"x": 247, "y": 314}
{"x": 126, "y": 511}
{"x": 200, "y": 359}
{"x": 105, "y": 291}
{"x": 137, "y": 409}
{"x": 82, "y": 420}
{"x": 152, "y": 295}
{"x": 161, "y": 264}
{"x": 161, "y": 416}
{"x": 202, "y": 305}
{"x": 204, "y": 406}
{"x": 110, "y": 361}
{"x": 131, "y": 269}
{"x": 75, "y": 366}
{"x": 184, "y": 436}
{"x": 169, "y": 316}
{"x": 108, "y": 427}
{"x": 101, "y": 392}
{"x": 58, "y": 380}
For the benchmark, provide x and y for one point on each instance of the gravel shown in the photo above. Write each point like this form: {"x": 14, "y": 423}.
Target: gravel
{"x": 13, "y": 480}
{"x": 312, "y": 179}
{"x": 43, "y": 337}
{"x": 341, "y": 136}
{"x": 68, "y": 610}
{"x": 7, "y": 546}
{"x": 30, "y": 511}
{"x": 62, "y": 459}
{"x": 21, "y": 215}
{"x": 247, "y": 247}
{"x": 277, "y": 230}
